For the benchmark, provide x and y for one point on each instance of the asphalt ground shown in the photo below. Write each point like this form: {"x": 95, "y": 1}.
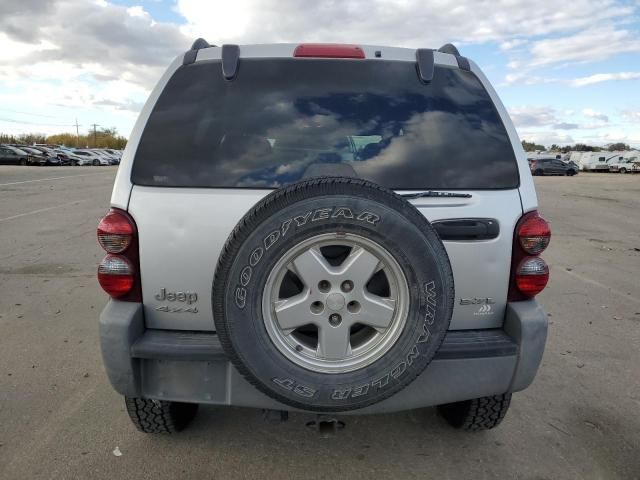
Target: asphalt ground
{"x": 60, "y": 419}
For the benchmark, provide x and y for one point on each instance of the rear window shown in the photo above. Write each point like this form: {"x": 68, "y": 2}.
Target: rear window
{"x": 282, "y": 120}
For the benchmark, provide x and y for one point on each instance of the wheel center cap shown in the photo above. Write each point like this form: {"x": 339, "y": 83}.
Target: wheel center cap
{"x": 335, "y": 301}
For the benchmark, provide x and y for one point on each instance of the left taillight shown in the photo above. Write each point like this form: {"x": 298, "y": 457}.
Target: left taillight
{"x": 529, "y": 272}
{"x": 119, "y": 271}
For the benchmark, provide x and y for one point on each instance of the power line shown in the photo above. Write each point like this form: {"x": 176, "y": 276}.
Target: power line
{"x": 13, "y": 120}
{"x": 28, "y": 113}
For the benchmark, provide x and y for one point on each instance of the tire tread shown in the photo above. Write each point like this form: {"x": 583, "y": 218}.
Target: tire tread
{"x": 159, "y": 416}
{"x": 478, "y": 414}
{"x": 279, "y": 199}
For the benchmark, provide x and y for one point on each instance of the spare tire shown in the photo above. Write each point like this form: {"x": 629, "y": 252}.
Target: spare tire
{"x": 332, "y": 294}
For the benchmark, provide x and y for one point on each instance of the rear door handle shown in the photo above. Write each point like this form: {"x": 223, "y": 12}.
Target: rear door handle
{"x": 467, "y": 228}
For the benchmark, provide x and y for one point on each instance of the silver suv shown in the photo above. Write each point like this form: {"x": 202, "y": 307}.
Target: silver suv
{"x": 322, "y": 228}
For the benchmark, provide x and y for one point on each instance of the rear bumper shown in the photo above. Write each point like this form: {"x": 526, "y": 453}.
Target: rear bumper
{"x": 192, "y": 367}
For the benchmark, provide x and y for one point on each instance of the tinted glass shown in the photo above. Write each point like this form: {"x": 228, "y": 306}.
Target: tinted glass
{"x": 283, "y": 120}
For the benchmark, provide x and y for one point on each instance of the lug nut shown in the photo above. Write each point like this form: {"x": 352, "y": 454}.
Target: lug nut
{"x": 335, "y": 319}
{"x": 347, "y": 286}
{"x": 324, "y": 286}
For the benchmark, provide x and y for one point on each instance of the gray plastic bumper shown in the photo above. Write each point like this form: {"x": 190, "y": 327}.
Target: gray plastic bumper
{"x": 192, "y": 367}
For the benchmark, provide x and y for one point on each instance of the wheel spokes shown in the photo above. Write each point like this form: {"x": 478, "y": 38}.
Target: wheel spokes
{"x": 294, "y": 312}
{"x": 333, "y": 342}
{"x": 311, "y": 267}
{"x": 359, "y": 266}
{"x": 376, "y": 312}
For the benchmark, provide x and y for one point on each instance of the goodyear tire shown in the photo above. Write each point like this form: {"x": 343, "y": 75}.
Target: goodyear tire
{"x": 332, "y": 294}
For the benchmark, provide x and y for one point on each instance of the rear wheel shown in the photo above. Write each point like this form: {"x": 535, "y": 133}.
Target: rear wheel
{"x": 623, "y": 170}
{"x": 159, "y": 416}
{"x": 96, "y": 163}
{"x": 477, "y": 414}
{"x": 538, "y": 172}
{"x": 23, "y": 162}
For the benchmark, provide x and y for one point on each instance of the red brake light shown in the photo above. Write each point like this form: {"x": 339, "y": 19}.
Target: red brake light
{"x": 328, "y": 50}
{"x": 116, "y": 275}
{"x": 532, "y": 276}
{"x": 115, "y": 232}
{"x": 534, "y": 234}
{"x": 529, "y": 273}
{"x": 119, "y": 271}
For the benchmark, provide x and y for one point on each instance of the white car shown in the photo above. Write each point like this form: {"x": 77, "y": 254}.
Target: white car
{"x": 299, "y": 252}
{"x": 626, "y": 165}
{"x": 89, "y": 157}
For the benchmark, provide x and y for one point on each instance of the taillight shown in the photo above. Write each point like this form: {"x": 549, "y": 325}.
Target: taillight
{"x": 534, "y": 234}
{"x": 119, "y": 271}
{"x": 532, "y": 276}
{"x": 529, "y": 273}
{"x": 115, "y": 232}
{"x": 116, "y": 275}
{"x": 328, "y": 50}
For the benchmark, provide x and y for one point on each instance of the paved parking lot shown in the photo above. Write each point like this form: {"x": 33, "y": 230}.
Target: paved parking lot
{"x": 59, "y": 418}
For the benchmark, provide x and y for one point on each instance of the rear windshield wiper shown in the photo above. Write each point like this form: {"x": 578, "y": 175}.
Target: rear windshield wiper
{"x": 432, "y": 193}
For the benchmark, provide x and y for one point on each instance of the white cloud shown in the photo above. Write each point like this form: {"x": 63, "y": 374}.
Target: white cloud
{"x": 588, "y": 112}
{"x": 588, "y": 45}
{"x": 137, "y": 11}
{"x": 533, "y": 116}
{"x": 525, "y": 78}
{"x": 390, "y": 22}
{"x": 546, "y": 137}
{"x": 632, "y": 116}
{"x": 511, "y": 44}
{"x": 603, "y": 77}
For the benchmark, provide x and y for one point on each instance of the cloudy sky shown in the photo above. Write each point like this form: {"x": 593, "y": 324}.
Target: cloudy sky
{"x": 567, "y": 71}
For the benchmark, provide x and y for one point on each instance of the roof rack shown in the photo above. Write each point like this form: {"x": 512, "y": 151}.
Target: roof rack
{"x": 192, "y": 53}
{"x": 449, "y": 48}
{"x": 463, "y": 62}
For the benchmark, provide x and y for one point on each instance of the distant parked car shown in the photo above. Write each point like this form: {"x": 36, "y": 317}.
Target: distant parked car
{"x": 626, "y": 165}
{"x": 40, "y": 155}
{"x": 12, "y": 155}
{"x": 89, "y": 157}
{"x": 101, "y": 152}
{"x": 552, "y": 166}
{"x": 116, "y": 154}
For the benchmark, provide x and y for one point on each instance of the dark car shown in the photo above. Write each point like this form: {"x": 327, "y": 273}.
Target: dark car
{"x": 41, "y": 155}
{"x": 35, "y": 157}
{"x": 552, "y": 166}
{"x": 12, "y": 155}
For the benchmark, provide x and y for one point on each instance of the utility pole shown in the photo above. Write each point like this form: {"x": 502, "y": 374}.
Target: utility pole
{"x": 95, "y": 135}
{"x": 77, "y": 134}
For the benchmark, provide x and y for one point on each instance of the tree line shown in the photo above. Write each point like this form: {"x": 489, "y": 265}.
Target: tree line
{"x": 578, "y": 147}
{"x": 103, "y": 138}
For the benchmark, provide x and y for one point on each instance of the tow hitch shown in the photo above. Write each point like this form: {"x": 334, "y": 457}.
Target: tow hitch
{"x": 325, "y": 425}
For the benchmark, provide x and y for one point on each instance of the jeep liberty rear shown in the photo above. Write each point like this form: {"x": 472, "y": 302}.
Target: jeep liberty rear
{"x": 322, "y": 228}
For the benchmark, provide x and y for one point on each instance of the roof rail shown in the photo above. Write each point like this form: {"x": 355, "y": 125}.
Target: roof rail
{"x": 449, "y": 48}
{"x": 463, "y": 62}
{"x": 192, "y": 53}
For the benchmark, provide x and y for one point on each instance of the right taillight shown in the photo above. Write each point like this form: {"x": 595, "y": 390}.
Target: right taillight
{"x": 118, "y": 272}
{"x": 534, "y": 234}
{"x": 529, "y": 273}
